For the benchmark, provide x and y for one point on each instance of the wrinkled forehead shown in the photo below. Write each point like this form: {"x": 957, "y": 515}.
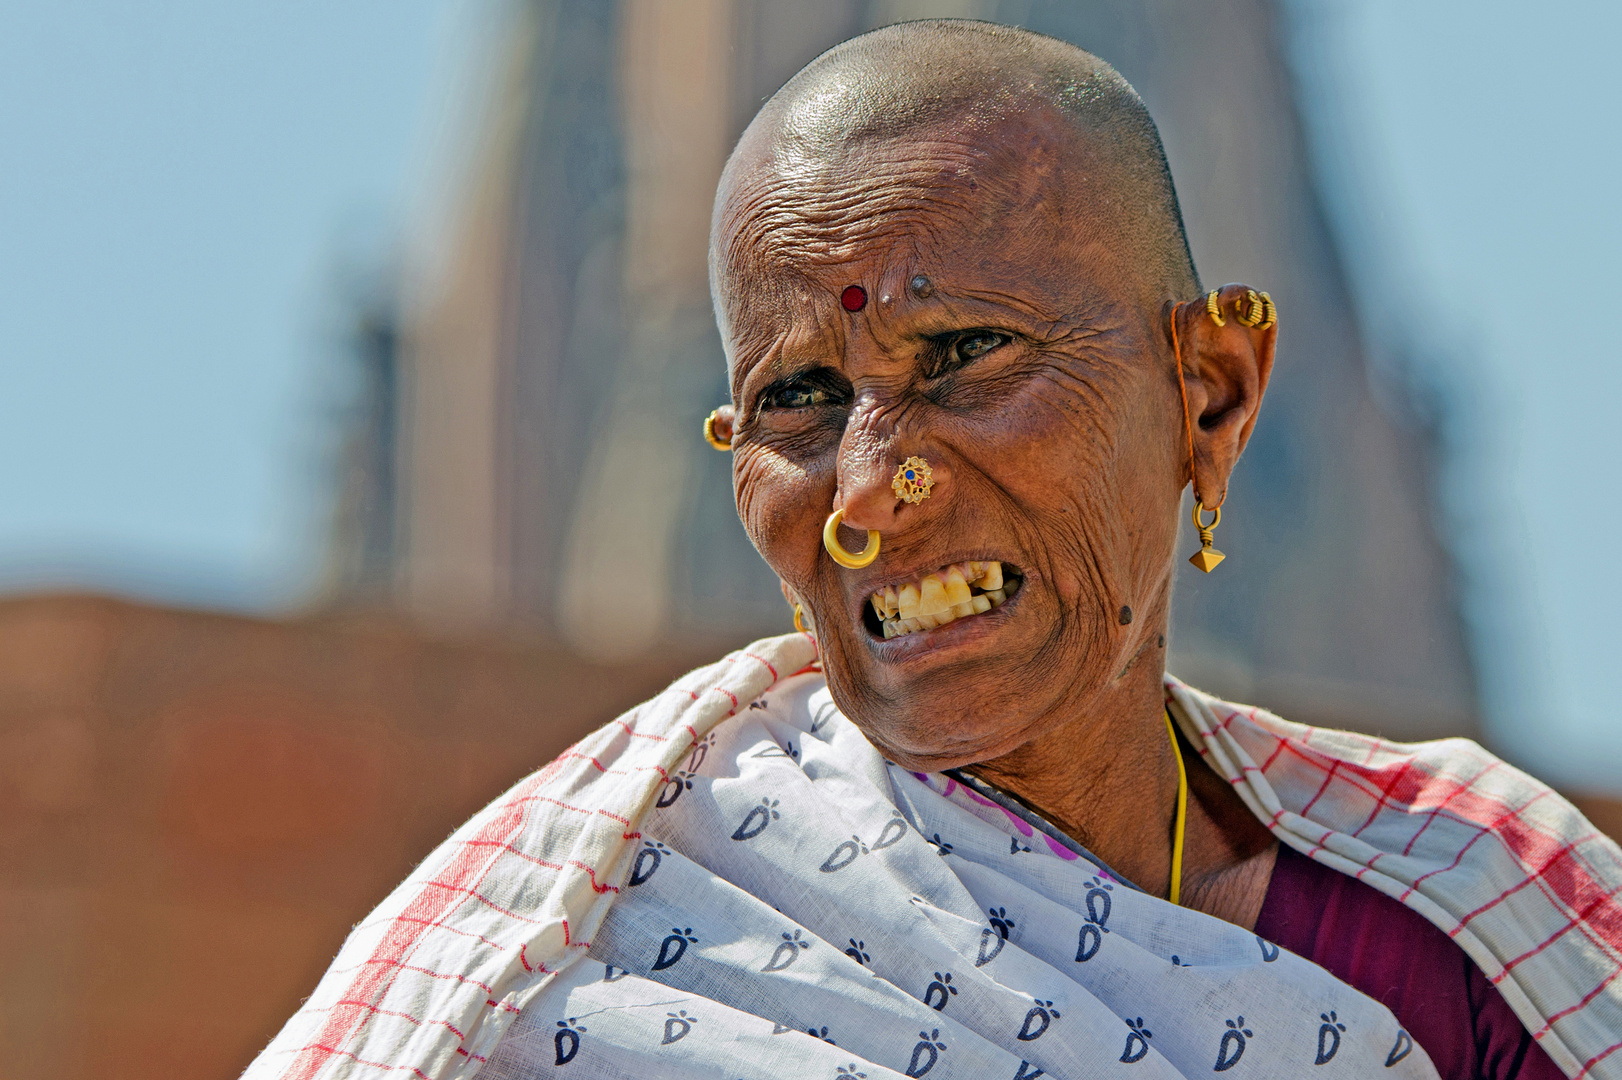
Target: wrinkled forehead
{"x": 984, "y": 206}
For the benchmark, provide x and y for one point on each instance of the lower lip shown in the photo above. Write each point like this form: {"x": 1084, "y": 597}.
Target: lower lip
{"x": 955, "y": 634}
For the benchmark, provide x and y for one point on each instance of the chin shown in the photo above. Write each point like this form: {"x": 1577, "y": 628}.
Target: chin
{"x": 970, "y": 689}
{"x": 962, "y": 715}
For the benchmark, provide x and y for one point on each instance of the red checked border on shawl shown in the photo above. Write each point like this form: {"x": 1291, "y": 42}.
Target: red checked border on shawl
{"x": 436, "y": 900}
{"x": 462, "y": 877}
{"x": 1552, "y": 862}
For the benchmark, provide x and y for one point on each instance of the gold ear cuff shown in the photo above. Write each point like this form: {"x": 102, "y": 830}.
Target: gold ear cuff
{"x": 1256, "y": 310}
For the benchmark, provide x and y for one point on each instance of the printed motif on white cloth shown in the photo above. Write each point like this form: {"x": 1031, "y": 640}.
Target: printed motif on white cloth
{"x": 724, "y": 920}
{"x": 816, "y": 893}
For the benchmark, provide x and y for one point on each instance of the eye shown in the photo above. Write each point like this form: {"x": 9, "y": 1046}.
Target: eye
{"x": 952, "y": 351}
{"x": 975, "y": 344}
{"x": 796, "y": 395}
{"x": 805, "y": 390}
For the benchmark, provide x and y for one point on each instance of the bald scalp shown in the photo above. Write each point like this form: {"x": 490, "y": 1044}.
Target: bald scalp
{"x": 912, "y": 81}
{"x": 915, "y": 80}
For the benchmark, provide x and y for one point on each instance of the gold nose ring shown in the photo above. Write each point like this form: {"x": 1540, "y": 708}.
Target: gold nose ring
{"x": 836, "y": 550}
{"x": 912, "y": 480}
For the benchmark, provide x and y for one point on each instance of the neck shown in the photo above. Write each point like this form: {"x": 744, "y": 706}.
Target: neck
{"x": 1107, "y": 777}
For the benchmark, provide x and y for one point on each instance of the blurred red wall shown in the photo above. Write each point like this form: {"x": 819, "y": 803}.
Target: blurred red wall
{"x": 195, "y": 808}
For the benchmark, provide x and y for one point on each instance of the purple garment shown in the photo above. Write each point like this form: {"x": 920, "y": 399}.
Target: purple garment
{"x": 1394, "y": 955}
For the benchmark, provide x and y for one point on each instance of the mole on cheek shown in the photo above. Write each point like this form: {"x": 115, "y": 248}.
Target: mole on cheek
{"x": 1126, "y": 614}
{"x": 921, "y": 287}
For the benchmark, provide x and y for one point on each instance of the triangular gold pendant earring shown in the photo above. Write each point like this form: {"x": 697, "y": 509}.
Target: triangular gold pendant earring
{"x": 1208, "y": 556}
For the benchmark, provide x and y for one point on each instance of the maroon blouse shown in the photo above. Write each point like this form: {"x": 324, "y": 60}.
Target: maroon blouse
{"x": 1395, "y": 956}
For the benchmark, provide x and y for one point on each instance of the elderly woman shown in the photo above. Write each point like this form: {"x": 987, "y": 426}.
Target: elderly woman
{"x": 965, "y": 825}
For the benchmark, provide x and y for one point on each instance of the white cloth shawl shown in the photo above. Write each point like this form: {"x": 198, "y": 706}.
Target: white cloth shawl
{"x": 677, "y": 896}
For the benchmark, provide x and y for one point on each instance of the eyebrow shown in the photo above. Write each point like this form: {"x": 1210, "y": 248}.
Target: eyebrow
{"x": 774, "y": 365}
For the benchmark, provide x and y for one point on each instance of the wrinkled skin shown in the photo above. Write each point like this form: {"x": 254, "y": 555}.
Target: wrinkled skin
{"x": 1035, "y": 373}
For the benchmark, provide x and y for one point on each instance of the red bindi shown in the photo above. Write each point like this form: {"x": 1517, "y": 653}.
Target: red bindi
{"x": 854, "y": 298}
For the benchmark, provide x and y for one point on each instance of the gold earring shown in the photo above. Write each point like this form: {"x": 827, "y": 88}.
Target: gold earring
{"x": 912, "y": 480}
{"x": 1214, "y": 309}
{"x": 709, "y": 431}
{"x": 799, "y": 623}
{"x": 1261, "y": 313}
{"x": 1252, "y": 315}
{"x": 836, "y": 550}
{"x": 1208, "y": 556}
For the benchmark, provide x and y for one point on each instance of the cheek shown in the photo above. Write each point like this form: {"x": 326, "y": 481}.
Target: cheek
{"x": 1056, "y": 457}
{"x": 1070, "y": 466}
{"x": 777, "y": 503}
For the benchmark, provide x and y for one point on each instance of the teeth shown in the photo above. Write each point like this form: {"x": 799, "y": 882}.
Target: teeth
{"x": 955, "y": 592}
{"x": 932, "y": 595}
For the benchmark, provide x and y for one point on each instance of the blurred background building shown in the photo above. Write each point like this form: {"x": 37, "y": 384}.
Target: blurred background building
{"x": 199, "y": 794}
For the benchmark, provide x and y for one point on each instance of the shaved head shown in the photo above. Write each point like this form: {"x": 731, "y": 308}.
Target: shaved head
{"x": 952, "y": 86}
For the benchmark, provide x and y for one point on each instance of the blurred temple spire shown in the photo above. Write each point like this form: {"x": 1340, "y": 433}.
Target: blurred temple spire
{"x": 556, "y": 363}
{"x": 365, "y": 554}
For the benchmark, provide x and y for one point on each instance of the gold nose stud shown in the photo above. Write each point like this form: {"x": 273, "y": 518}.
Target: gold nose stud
{"x": 912, "y": 480}
{"x": 836, "y": 550}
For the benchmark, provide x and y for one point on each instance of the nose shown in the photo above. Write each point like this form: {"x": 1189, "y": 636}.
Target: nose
{"x": 868, "y": 466}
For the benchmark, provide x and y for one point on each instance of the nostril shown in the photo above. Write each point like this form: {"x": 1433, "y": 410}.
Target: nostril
{"x": 867, "y": 509}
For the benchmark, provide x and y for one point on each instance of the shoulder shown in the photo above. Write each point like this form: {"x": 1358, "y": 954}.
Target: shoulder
{"x": 1391, "y": 953}
{"x": 1493, "y": 858}
{"x": 1448, "y": 801}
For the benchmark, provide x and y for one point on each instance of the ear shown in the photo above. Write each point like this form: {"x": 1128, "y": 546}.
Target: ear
{"x": 802, "y": 613}
{"x": 1225, "y": 368}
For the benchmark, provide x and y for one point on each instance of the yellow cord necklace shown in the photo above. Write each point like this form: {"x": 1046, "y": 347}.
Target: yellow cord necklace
{"x": 1176, "y": 892}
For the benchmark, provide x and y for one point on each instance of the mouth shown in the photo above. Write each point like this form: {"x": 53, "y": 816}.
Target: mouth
{"x": 959, "y": 591}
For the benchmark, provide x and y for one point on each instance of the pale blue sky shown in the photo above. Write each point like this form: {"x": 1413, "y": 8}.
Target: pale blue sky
{"x": 181, "y": 185}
